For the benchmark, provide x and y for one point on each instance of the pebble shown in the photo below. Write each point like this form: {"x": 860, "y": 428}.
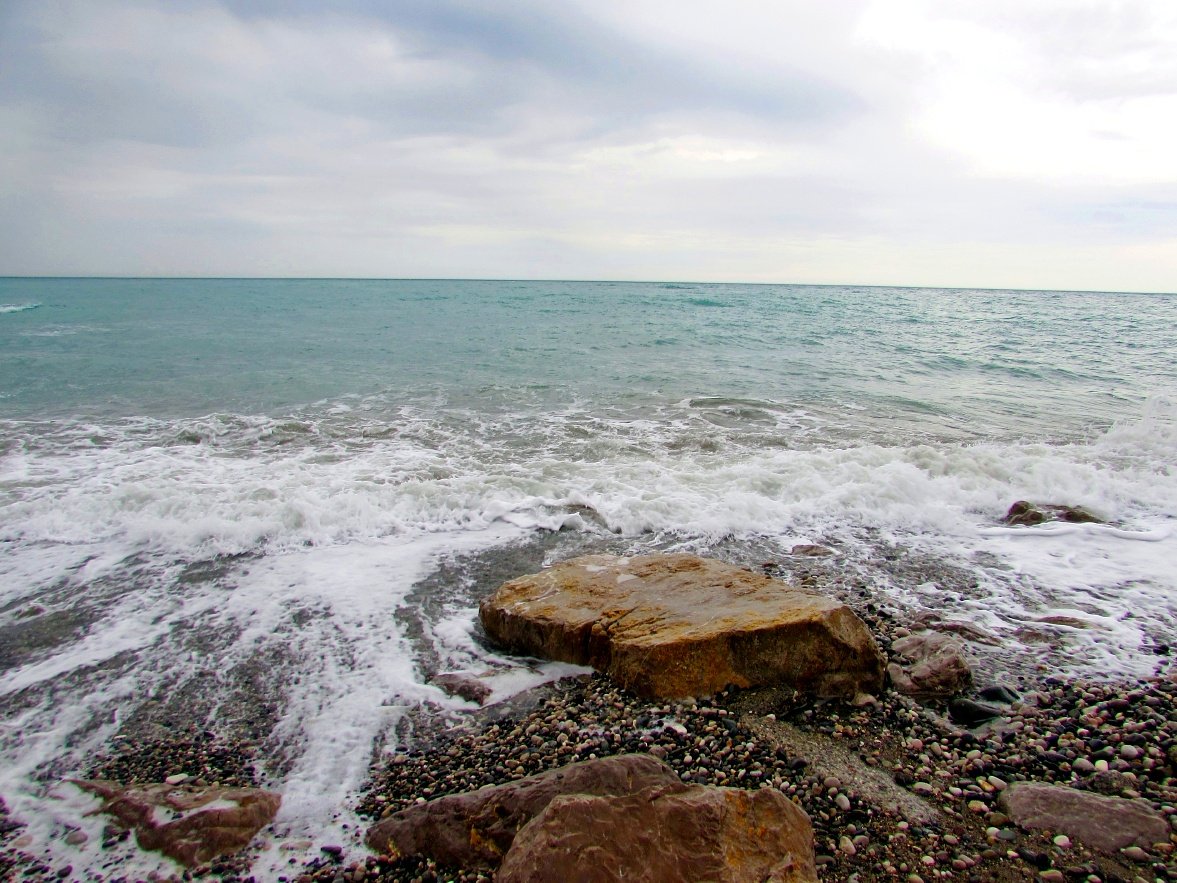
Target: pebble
{"x": 1134, "y": 853}
{"x": 1062, "y": 841}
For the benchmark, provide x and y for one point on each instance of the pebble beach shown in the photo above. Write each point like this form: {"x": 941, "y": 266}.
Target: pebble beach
{"x": 895, "y": 790}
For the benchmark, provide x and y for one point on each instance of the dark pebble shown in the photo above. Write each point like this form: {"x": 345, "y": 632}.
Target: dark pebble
{"x": 970, "y": 712}
{"x": 999, "y": 693}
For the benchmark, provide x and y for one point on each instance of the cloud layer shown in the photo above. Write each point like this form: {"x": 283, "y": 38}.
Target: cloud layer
{"x": 891, "y": 142}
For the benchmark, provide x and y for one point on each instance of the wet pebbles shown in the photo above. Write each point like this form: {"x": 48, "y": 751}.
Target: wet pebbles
{"x": 1113, "y": 739}
{"x": 1116, "y": 740}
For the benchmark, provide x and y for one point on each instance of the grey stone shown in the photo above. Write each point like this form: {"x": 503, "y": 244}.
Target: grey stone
{"x": 1104, "y": 823}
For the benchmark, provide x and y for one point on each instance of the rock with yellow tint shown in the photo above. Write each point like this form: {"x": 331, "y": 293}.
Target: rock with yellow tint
{"x": 678, "y": 625}
{"x": 727, "y": 835}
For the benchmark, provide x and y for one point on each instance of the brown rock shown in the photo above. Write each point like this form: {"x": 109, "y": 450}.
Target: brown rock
{"x": 932, "y": 665}
{"x": 1104, "y": 823}
{"x": 810, "y": 550}
{"x": 189, "y": 824}
{"x": 476, "y": 829}
{"x": 726, "y": 835}
{"x": 679, "y": 625}
{"x": 1029, "y": 514}
{"x": 465, "y": 685}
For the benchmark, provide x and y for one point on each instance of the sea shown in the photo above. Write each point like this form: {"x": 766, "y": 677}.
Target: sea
{"x": 272, "y": 506}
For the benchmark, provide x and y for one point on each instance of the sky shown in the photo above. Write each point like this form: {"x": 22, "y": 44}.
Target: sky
{"x": 1005, "y": 143}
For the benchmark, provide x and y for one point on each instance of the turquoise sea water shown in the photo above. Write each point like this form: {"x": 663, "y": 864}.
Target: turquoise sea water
{"x": 198, "y": 474}
{"x": 973, "y": 361}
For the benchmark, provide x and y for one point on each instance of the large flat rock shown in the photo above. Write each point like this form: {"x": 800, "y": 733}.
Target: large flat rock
{"x": 678, "y": 625}
{"x": 1101, "y": 822}
{"x": 725, "y": 835}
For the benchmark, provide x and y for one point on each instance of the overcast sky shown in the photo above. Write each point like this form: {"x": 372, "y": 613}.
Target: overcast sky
{"x": 1004, "y": 143}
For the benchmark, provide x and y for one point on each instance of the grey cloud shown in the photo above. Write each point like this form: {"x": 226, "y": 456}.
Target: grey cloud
{"x": 479, "y": 66}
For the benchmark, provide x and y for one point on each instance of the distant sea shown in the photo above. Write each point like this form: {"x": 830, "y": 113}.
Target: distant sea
{"x": 311, "y": 483}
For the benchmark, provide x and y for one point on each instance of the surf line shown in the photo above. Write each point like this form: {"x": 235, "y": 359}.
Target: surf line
{"x": 1145, "y": 536}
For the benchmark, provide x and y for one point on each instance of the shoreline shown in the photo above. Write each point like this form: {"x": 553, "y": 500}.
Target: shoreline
{"x": 829, "y": 756}
{"x": 919, "y": 754}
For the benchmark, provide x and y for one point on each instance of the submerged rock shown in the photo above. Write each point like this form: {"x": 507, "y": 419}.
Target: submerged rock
{"x": 1104, "y": 823}
{"x": 727, "y": 835}
{"x": 1029, "y": 514}
{"x": 678, "y": 625}
{"x": 465, "y": 685}
{"x": 475, "y": 829}
{"x": 192, "y": 825}
{"x": 811, "y": 550}
{"x": 929, "y": 665}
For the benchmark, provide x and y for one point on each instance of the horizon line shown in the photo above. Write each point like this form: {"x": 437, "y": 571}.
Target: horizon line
{"x": 581, "y": 280}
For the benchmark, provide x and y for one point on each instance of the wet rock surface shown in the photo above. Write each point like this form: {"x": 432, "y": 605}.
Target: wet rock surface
{"x": 679, "y": 625}
{"x": 476, "y": 829}
{"x": 463, "y": 684}
{"x": 1027, "y": 514}
{"x": 929, "y": 664}
{"x": 190, "y": 824}
{"x": 681, "y": 835}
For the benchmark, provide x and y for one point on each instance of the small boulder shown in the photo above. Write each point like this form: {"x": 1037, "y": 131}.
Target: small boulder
{"x": 464, "y": 685}
{"x": 810, "y": 550}
{"x": 727, "y": 835}
{"x": 929, "y": 665}
{"x": 1028, "y": 514}
{"x": 475, "y": 829}
{"x": 192, "y": 825}
{"x": 1104, "y": 823}
{"x": 675, "y": 626}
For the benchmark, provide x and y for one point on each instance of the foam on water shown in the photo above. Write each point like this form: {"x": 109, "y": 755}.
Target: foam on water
{"x": 322, "y": 619}
{"x": 17, "y": 308}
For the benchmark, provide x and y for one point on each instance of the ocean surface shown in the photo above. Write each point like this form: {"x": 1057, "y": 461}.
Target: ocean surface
{"x": 273, "y": 505}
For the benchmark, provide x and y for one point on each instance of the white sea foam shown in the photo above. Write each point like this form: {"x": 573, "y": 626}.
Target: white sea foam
{"x": 347, "y": 676}
{"x": 17, "y": 308}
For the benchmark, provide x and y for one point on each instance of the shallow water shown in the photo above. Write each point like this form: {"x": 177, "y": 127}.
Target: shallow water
{"x": 273, "y": 506}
